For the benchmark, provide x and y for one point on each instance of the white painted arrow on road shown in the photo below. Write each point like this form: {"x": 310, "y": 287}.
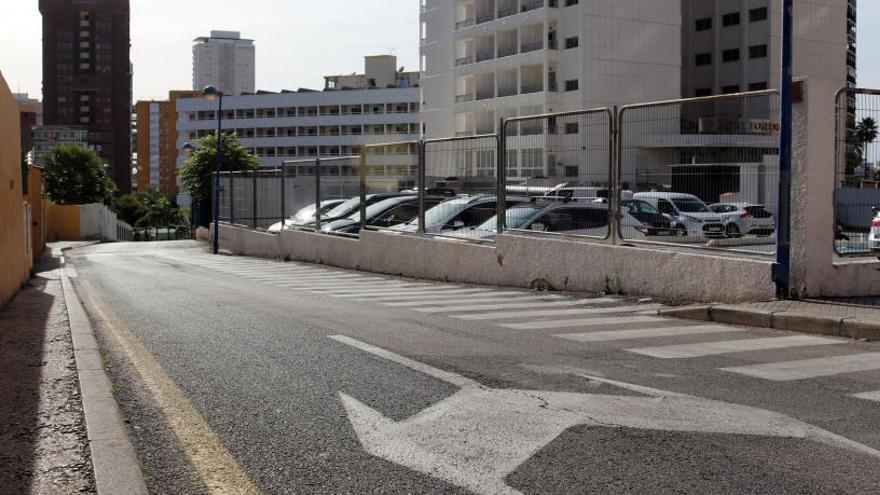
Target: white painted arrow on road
{"x": 478, "y": 436}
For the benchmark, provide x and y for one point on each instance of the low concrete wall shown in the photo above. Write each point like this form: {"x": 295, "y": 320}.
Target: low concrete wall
{"x": 94, "y": 222}
{"x": 520, "y": 261}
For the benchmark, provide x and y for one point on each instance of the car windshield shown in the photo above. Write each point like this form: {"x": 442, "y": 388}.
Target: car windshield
{"x": 686, "y": 205}
{"x": 640, "y": 207}
{"x": 516, "y": 217}
{"x": 307, "y": 212}
{"x": 344, "y": 209}
{"x": 438, "y": 214}
{"x": 377, "y": 209}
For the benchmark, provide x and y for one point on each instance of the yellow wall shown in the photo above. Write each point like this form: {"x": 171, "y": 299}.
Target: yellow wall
{"x": 14, "y": 259}
{"x": 64, "y": 223}
{"x": 38, "y": 216}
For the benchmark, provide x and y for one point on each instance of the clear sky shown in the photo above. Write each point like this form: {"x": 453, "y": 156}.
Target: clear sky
{"x": 298, "y": 42}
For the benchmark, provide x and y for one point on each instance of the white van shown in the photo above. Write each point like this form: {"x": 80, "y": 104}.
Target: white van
{"x": 687, "y": 213}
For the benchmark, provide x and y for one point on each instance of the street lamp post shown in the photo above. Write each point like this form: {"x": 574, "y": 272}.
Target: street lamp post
{"x": 210, "y": 93}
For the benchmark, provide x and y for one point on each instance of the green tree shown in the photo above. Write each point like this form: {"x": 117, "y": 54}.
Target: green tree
{"x": 198, "y": 170}
{"x": 158, "y": 210}
{"x": 76, "y": 176}
{"x": 129, "y": 208}
{"x": 866, "y": 133}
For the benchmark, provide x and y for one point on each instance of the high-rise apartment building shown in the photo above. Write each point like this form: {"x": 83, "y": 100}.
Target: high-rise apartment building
{"x": 156, "y": 129}
{"x": 484, "y": 60}
{"x": 226, "y": 61}
{"x": 731, "y": 46}
{"x": 87, "y": 76}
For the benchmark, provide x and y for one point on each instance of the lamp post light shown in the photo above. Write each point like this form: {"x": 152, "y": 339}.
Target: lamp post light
{"x": 210, "y": 93}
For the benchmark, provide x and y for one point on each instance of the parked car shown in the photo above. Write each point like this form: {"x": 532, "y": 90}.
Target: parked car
{"x": 745, "y": 219}
{"x": 647, "y": 215}
{"x": 306, "y": 215}
{"x": 687, "y": 213}
{"x": 570, "y": 192}
{"x": 874, "y": 234}
{"x": 459, "y": 213}
{"x": 386, "y": 213}
{"x": 578, "y": 218}
{"x": 352, "y": 206}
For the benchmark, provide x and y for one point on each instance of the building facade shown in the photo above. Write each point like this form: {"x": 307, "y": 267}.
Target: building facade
{"x": 732, "y": 46}
{"x": 31, "y": 116}
{"x": 306, "y": 124}
{"x": 484, "y": 60}
{"x": 226, "y": 61}
{"x": 48, "y": 137}
{"x": 156, "y": 130}
{"x": 87, "y": 76}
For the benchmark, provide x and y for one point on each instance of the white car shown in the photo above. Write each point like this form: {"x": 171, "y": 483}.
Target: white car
{"x": 459, "y": 213}
{"x": 305, "y": 215}
{"x": 687, "y": 213}
{"x": 874, "y": 234}
{"x": 745, "y": 219}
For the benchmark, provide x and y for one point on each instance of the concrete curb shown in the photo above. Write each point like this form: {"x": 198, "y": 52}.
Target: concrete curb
{"x": 114, "y": 460}
{"x": 840, "y": 326}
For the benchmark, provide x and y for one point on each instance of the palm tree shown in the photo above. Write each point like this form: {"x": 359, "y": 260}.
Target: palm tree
{"x": 866, "y": 132}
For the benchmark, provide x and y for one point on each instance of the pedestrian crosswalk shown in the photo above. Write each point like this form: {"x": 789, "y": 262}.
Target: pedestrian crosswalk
{"x": 615, "y": 324}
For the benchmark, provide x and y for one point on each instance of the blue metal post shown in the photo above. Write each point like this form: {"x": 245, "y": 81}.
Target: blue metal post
{"x": 782, "y": 269}
{"x": 216, "y": 246}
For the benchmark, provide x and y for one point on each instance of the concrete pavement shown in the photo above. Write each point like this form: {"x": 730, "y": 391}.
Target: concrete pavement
{"x": 307, "y": 378}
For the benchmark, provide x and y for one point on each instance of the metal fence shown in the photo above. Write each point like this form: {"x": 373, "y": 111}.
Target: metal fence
{"x": 558, "y": 173}
{"x": 701, "y": 173}
{"x": 857, "y": 173}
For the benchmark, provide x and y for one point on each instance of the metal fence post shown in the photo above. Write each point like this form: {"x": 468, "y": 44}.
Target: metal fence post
{"x": 501, "y": 178}
{"x": 616, "y": 188}
{"x": 254, "y": 198}
{"x": 232, "y": 198}
{"x": 782, "y": 268}
{"x": 422, "y": 184}
{"x": 317, "y": 194}
{"x": 363, "y": 188}
{"x": 283, "y": 196}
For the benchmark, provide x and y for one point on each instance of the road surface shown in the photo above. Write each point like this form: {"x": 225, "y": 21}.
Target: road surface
{"x": 239, "y": 375}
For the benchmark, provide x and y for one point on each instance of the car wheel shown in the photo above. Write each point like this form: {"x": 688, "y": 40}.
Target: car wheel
{"x": 681, "y": 231}
{"x": 732, "y": 230}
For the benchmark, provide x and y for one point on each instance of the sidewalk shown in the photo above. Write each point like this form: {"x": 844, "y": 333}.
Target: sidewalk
{"x": 856, "y": 319}
{"x": 43, "y": 439}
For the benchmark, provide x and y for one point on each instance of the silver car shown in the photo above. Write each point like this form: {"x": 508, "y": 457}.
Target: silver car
{"x": 745, "y": 219}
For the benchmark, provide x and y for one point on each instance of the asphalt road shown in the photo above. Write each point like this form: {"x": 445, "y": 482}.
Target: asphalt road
{"x": 293, "y": 378}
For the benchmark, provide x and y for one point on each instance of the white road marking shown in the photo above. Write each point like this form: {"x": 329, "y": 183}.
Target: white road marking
{"x": 436, "y": 302}
{"x": 556, "y": 312}
{"x": 426, "y": 293}
{"x": 497, "y": 307}
{"x": 646, "y": 333}
{"x": 321, "y": 287}
{"x": 476, "y": 437}
{"x": 378, "y": 290}
{"x": 436, "y": 297}
{"x": 326, "y": 276}
{"x": 685, "y": 351}
{"x": 872, "y": 396}
{"x": 585, "y": 322}
{"x": 810, "y": 368}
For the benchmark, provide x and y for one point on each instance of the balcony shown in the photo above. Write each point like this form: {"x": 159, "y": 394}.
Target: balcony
{"x": 507, "y": 52}
{"x": 532, "y": 47}
{"x": 465, "y": 98}
{"x": 482, "y": 19}
{"x": 482, "y": 57}
{"x": 532, "y": 88}
{"x": 464, "y": 60}
{"x": 502, "y": 92}
{"x": 532, "y": 5}
{"x": 465, "y": 24}
{"x": 507, "y": 12}
{"x": 485, "y": 95}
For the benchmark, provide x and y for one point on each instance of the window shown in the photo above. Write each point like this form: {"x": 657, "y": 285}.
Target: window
{"x": 757, "y": 86}
{"x": 569, "y": 3}
{"x": 758, "y": 51}
{"x": 704, "y": 59}
{"x": 731, "y": 19}
{"x": 701, "y": 92}
{"x": 756, "y": 15}
{"x": 731, "y": 55}
{"x": 666, "y": 207}
{"x": 571, "y": 85}
{"x": 733, "y": 88}
{"x": 704, "y": 24}
{"x": 571, "y": 128}
{"x": 572, "y": 42}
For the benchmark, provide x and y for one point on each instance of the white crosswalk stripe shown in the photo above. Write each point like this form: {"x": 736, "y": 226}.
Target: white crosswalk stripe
{"x": 435, "y": 302}
{"x": 810, "y": 368}
{"x": 310, "y": 278}
{"x": 733, "y": 346}
{"x": 557, "y": 312}
{"x": 439, "y": 295}
{"x": 380, "y": 290}
{"x": 317, "y": 287}
{"x": 466, "y": 308}
{"x": 584, "y": 322}
{"x": 872, "y": 396}
{"x": 647, "y": 333}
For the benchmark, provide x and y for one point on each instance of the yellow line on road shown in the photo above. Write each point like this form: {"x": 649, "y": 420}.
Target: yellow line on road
{"x": 216, "y": 466}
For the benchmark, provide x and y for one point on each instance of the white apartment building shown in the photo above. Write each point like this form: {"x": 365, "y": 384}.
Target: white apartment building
{"x": 226, "y": 61}
{"x": 49, "y": 137}
{"x": 484, "y": 60}
{"x": 306, "y": 124}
